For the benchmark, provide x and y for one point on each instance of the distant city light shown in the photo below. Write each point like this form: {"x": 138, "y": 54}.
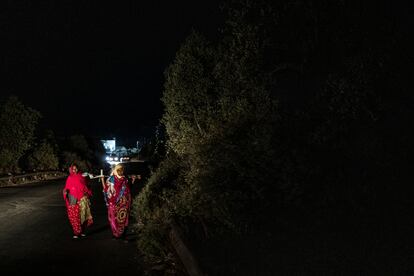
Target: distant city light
{"x": 119, "y": 154}
{"x": 109, "y": 145}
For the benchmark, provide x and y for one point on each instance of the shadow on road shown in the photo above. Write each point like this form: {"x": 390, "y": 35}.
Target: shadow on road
{"x": 97, "y": 230}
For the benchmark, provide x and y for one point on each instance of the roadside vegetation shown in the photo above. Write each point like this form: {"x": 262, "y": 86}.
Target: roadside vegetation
{"x": 274, "y": 128}
{"x": 26, "y": 147}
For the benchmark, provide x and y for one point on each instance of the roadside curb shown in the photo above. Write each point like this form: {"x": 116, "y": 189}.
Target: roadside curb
{"x": 17, "y": 180}
{"x": 183, "y": 251}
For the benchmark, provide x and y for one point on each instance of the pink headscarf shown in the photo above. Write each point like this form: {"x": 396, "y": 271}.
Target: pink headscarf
{"x": 76, "y": 184}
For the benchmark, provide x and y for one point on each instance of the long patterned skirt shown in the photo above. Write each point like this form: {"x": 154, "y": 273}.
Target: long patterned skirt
{"x": 118, "y": 215}
{"x": 79, "y": 215}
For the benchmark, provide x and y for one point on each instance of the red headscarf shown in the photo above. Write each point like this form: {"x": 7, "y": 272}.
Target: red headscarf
{"x": 76, "y": 184}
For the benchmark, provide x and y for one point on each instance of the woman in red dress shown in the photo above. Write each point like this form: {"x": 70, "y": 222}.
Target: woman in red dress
{"x": 76, "y": 195}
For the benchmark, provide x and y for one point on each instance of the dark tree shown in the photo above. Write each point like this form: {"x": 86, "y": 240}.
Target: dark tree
{"x": 17, "y": 128}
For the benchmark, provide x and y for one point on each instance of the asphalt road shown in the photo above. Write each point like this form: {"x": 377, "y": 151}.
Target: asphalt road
{"x": 35, "y": 235}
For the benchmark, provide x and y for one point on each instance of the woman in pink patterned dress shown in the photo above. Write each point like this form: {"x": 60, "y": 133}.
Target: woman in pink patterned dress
{"x": 118, "y": 200}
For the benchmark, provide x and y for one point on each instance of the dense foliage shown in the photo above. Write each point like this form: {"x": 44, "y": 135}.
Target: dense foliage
{"x": 26, "y": 147}
{"x": 289, "y": 105}
{"x": 17, "y": 129}
{"x": 43, "y": 158}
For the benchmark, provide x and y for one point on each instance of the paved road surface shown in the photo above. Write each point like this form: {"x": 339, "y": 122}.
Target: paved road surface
{"x": 35, "y": 235}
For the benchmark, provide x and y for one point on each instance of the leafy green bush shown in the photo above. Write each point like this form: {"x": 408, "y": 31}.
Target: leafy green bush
{"x": 17, "y": 127}
{"x": 151, "y": 208}
{"x": 43, "y": 158}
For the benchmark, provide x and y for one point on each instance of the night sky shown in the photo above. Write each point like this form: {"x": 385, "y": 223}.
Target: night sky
{"x": 92, "y": 68}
